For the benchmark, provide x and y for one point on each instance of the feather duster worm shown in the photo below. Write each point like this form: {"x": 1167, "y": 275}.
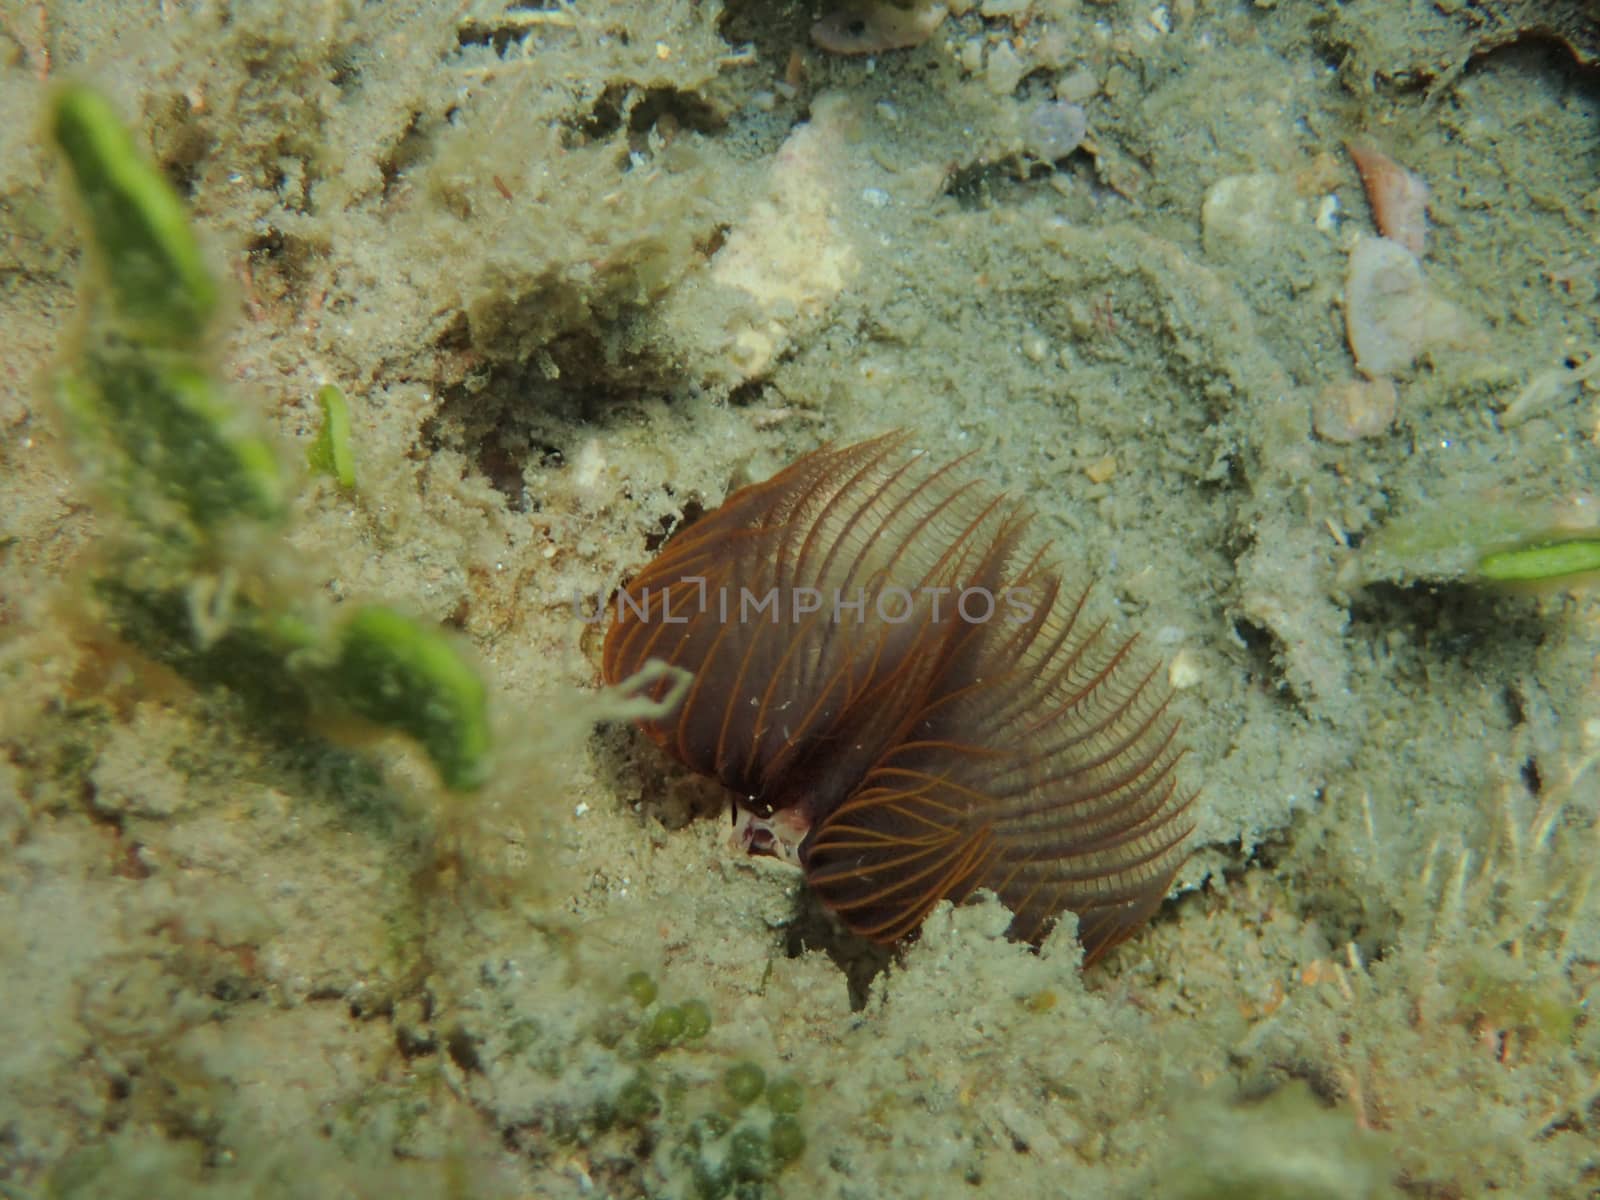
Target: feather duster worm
{"x": 902, "y": 697}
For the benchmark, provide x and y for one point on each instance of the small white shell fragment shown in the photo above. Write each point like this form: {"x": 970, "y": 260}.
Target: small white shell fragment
{"x": 1185, "y": 670}
{"x": 589, "y": 466}
{"x": 1353, "y": 409}
{"x": 1327, "y": 218}
{"x": 1385, "y": 306}
{"x": 1390, "y": 315}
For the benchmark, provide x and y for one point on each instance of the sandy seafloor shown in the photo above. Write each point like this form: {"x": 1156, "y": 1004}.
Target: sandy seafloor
{"x": 582, "y": 268}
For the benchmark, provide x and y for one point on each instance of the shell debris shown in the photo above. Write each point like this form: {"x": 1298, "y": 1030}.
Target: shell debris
{"x": 1391, "y": 315}
{"x": 873, "y": 26}
{"x": 1399, "y": 198}
{"x": 785, "y": 261}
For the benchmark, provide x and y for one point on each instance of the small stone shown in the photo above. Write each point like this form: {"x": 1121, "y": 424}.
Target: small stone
{"x": 873, "y": 26}
{"x": 787, "y": 1138}
{"x": 1102, "y": 470}
{"x": 1384, "y": 300}
{"x": 1354, "y": 409}
{"x": 785, "y": 1095}
{"x": 696, "y": 1020}
{"x": 1390, "y": 315}
{"x": 1005, "y": 70}
{"x": 641, "y": 988}
{"x": 1077, "y": 86}
{"x": 1053, "y": 130}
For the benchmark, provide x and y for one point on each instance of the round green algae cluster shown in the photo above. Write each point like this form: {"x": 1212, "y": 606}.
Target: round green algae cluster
{"x": 729, "y": 1135}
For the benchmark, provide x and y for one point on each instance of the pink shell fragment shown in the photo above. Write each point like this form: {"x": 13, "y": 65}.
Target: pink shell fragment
{"x": 1398, "y": 197}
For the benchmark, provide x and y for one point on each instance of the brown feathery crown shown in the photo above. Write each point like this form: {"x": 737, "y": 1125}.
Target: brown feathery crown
{"x": 878, "y": 657}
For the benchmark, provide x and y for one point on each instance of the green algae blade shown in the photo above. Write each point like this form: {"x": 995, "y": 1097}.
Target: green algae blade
{"x": 152, "y": 264}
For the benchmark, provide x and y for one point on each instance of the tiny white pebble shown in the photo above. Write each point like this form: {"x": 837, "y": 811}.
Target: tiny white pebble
{"x": 1327, "y": 220}
{"x": 583, "y": 807}
{"x": 1053, "y": 130}
{"x": 876, "y": 197}
{"x": 1185, "y": 670}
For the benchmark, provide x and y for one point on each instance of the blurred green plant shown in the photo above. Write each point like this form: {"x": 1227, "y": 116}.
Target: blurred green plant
{"x": 1477, "y": 541}
{"x": 174, "y": 455}
{"x": 140, "y": 237}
